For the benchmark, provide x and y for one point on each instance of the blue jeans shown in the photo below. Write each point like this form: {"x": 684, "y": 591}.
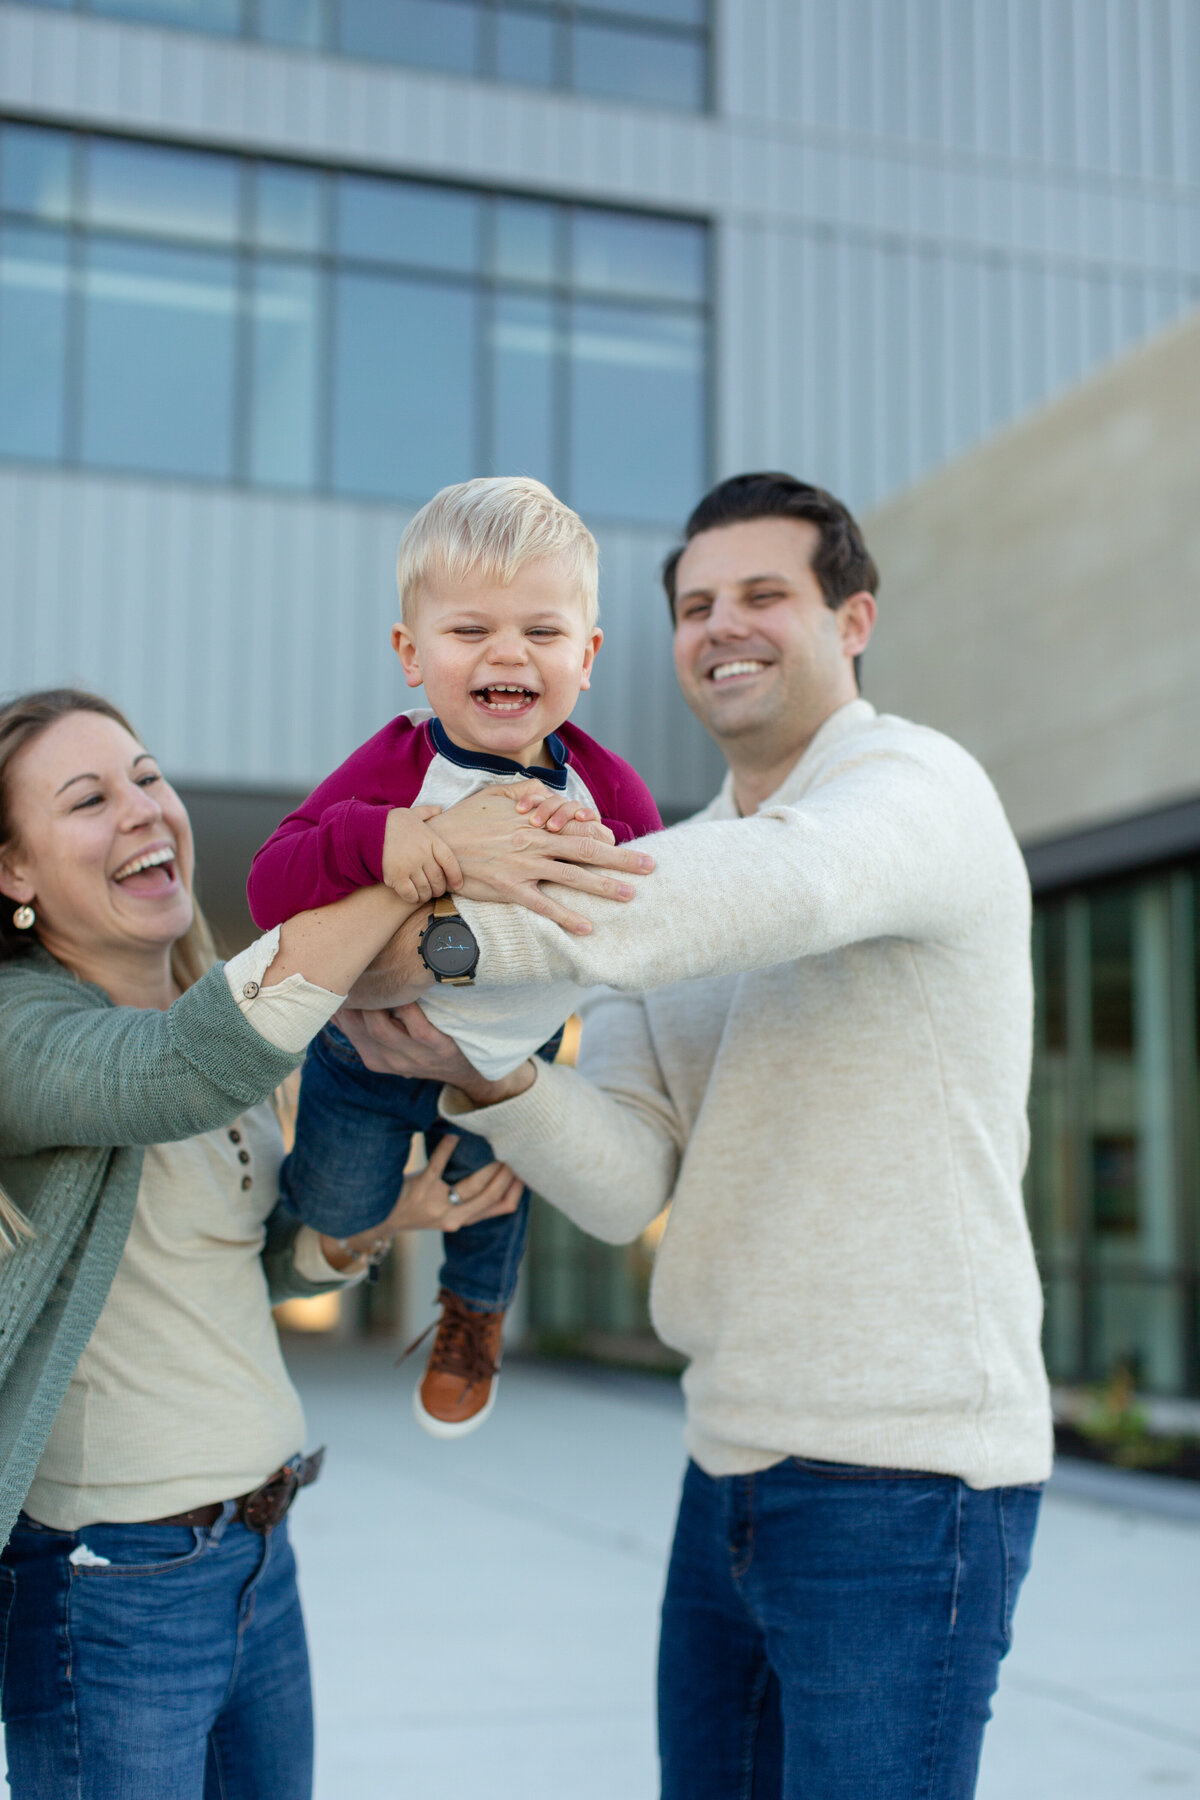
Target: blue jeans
{"x": 835, "y": 1633}
{"x": 177, "y": 1670}
{"x": 354, "y": 1130}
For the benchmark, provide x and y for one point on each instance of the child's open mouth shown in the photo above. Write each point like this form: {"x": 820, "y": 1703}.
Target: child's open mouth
{"x": 504, "y": 699}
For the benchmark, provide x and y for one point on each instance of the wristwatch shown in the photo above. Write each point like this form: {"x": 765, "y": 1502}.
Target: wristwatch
{"x": 447, "y": 945}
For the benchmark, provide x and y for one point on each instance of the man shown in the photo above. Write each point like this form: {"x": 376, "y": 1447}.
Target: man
{"x": 832, "y": 1096}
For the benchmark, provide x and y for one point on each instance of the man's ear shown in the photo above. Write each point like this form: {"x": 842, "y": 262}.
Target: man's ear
{"x": 856, "y": 621}
{"x": 404, "y": 644}
{"x": 595, "y": 639}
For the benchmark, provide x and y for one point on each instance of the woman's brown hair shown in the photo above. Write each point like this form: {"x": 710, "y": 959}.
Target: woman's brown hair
{"x": 21, "y": 721}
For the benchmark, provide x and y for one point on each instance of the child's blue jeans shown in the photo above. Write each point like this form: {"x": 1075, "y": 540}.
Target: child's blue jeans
{"x": 354, "y": 1130}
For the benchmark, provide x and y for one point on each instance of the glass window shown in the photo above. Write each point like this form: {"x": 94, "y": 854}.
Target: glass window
{"x": 35, "y": 172}
{"x": 405, "y": 386}
{"x": 527, "y": 48}
{"x": 654, "y": 51}
{"x": 34, "y": 267}
{"x": 231, "y": 317}
{"x": 224, "y": 16}
{"x": 163, "y": 193}
{"x": 526, "y": 238}
{"x": 524, "y": 354}
{"x": 291, "y": 22}
{"x": 671, "y": 12}
{"x": 623, "y": 254}
{"x": 432, "y": 34}
{"x": 283, "y": 395}
{"x": 159, "y": 340}
{"x": 635, "y": 65}
{"x": 637, "y": 412}
{"x": 287, "y": 208}
{"x": 403, "y": 222}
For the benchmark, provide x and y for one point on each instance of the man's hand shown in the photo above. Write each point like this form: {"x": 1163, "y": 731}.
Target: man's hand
{"x": 403, "y": 1042}
{"x": 417, "y": 864}
{"x": 505, "y": 858}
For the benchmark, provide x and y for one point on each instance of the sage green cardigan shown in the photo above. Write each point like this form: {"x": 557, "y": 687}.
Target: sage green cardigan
{"x": 85, "y": 1086}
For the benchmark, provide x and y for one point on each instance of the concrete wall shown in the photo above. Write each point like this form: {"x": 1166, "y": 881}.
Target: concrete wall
{"x": 1041, "y": 597}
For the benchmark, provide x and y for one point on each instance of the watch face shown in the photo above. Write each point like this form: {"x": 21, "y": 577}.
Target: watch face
{"x": 449, "y": 948}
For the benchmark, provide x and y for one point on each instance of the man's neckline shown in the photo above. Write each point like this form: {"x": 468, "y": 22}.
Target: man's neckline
{"x": 554, "y": 777}
{"x": 847, "y": 717}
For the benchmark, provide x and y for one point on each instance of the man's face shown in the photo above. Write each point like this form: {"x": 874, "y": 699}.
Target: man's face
{"x": 758, "y": 651}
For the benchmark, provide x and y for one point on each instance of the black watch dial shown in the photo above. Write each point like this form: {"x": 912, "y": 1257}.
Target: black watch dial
{"x": 449, "y": 948}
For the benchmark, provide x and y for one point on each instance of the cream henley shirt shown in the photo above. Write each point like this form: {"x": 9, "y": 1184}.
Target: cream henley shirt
{"x": 181, "y": 1396}
{"x": 819, "y": 1054}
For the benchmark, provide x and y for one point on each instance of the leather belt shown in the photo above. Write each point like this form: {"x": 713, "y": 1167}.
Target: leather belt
{"x": 262, "y": 1509}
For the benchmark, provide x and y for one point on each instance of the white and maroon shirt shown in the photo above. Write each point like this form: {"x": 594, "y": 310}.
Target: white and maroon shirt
{"x": 333, "y": 844}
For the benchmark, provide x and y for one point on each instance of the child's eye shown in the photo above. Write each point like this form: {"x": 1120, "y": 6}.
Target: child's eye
{"x": 544, "y": 631}
{"x": 469, "y": 631}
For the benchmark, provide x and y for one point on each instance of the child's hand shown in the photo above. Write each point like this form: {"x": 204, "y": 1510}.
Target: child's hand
{"x": 417, "y": 865}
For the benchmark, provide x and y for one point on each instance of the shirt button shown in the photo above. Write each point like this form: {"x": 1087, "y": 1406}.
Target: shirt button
{"x": 243, "y": 1156}
{"x": 235, "y": 1137}
{"x": 247, "y": 1181}
{"x": 250, "y": 991}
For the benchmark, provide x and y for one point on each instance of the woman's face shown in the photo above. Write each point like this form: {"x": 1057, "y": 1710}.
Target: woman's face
{"x": 103, "y": 845}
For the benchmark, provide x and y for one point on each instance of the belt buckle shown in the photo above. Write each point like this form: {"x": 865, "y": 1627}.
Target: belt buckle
{"x": 266, "y": 1506}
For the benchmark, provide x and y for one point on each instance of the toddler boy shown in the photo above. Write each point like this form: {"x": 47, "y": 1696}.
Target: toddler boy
{"x": 498, "y": 601}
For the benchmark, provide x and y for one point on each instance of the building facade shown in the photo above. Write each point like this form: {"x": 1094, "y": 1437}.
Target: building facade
{"x": 1042, "y": 607}
{"x": 271, "y": 271}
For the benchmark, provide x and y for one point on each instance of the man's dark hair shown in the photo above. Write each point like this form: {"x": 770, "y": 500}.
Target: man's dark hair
{"x": 841, "y": 561}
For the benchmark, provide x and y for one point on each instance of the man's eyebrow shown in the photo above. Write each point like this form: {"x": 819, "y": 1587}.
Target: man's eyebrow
{"x": 92, "y": 776}
{"x": 705, "y": 593}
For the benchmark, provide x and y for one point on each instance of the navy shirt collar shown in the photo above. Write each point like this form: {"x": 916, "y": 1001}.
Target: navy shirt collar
{"x": 501, "y": 765}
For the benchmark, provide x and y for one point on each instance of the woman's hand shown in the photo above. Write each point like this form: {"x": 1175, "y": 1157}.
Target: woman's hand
{"x": 425, "y": 1205}
{"x": 505, "y": 858}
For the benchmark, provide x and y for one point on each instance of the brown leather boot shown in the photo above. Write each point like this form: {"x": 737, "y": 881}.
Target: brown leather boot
{"x": 458, "y": 1389}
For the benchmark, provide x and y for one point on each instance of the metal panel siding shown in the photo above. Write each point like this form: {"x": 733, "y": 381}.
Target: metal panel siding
{"x": 247, "y": 637}
{"x": 929, "y": 216}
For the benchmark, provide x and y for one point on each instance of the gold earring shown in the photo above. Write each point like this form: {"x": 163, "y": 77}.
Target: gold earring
{"x": 24, "y": 917}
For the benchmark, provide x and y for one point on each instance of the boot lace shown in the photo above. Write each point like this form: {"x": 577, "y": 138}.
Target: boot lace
{"x": 460, "y": 1347}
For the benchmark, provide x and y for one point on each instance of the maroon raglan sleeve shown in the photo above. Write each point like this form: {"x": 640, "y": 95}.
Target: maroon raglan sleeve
{"x": 623, "y": 800}
{"x": 333, "y": 843}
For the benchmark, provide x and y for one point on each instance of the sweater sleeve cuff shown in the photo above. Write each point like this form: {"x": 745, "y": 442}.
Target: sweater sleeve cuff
{"x": 534, "y": 1117}
{"x": 311, "y": 1262}
{"x": 288, "y": 1013}
{"x": 363, "y": 825}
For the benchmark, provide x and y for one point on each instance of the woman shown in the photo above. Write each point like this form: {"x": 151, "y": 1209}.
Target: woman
{"x": 148, "y": 1428}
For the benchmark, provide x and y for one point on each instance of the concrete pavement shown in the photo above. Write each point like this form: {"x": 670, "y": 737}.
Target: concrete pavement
{"x": 483, "y": 1614}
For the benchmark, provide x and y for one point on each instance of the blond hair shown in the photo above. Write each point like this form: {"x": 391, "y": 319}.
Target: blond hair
{"x": 493, "y": 527}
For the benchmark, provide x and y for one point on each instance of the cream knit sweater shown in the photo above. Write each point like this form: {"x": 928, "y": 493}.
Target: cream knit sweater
{"x": 832, "y": 1095}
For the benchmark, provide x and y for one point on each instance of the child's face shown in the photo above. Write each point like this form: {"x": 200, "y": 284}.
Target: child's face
{"x": 502, "y": 666}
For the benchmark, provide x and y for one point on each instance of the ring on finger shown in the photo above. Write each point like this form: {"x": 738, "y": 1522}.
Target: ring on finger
{"x": 454, "y": 1197}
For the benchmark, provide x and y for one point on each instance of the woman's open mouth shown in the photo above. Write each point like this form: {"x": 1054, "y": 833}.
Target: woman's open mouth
{"x": 504, "y": 699}
{"x": 150, "y": 874}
